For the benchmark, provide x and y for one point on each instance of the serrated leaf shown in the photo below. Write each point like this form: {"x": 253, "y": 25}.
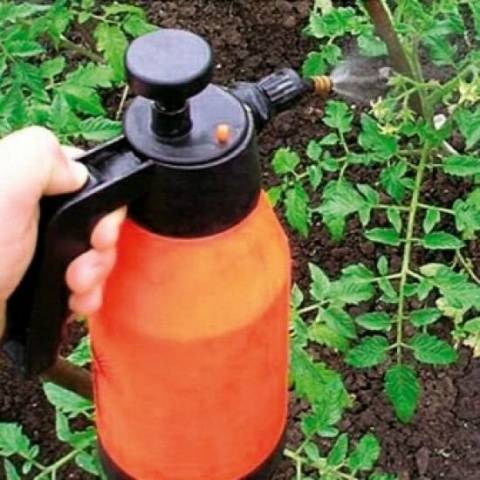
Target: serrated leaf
{"x": 371, "y": 138}
{"x": 23, "y": 48}
{"x": 376, "y": 321}
{"x": 432, "y": 217}
{"x": 320, "y": 283}
{"x": 365, "y": 454}
{"x": 314, "y": 150}
{"x": 425, "y": 316}
{"x": 372, "y": 197}
{"x": 432, "y": 350}
{"x": 314, "y": 65}
{"x": 136, "y": 26}
{"x": 387, "y": 236}
{"x": 462, "y": 165}
{"x": 395, "y": 219}
{"x": 297, "y": 296}
{"x": 441, "y": 241}
{"x": 65, "y": 400}
{"x": 369, "y": 352}
{"x": 330, "y": 139}
{"x": 338, "y": 115}
{"x": 100, "y": 129}
{"x": 91, "y": 75}
{"x": 312, "y": 452}
{"x": 324, "y": 335}
{"x": 371, "y": 46}
{"x": 285, "y": 161}
{"x": 82, "y": 99}
{"x": 469, "y": 125}
{"x": 113, "y": 43}
{"x": 13, "y": 440}
{"x": 51, "y": 68}
{"x": 393, "y": 180}
{"x": 296, "y": 209}
{"x": 403, "y": 390}
{"x": 340, "y": 321}
{"x": 339, "y": 451}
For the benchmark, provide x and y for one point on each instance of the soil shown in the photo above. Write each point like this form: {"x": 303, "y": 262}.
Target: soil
{"x": 251, "y": 38}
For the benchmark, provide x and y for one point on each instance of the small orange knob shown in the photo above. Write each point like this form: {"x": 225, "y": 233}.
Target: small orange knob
{"x": 223, "y": 133}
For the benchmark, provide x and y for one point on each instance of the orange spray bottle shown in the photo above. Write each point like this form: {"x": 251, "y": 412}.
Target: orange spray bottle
{"x": 190, "y": 348}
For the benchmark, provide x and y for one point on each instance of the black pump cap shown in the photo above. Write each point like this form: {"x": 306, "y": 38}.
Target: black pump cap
{"x": 169, "y": 66}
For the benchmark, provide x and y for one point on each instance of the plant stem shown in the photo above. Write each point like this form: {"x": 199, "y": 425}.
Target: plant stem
{"x": 407, "y": 250}
{"x": 58, "y": 464}
{"x": 308, "y": 309}
{"x": 81, "y": 50}
{"x": 467, "y": 267}
{"x": 433, "y": 207}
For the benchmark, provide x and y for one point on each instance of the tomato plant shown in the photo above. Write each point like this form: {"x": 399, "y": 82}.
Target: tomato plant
{"x": 52, "y": 79}
{"x": 403, "y": 145}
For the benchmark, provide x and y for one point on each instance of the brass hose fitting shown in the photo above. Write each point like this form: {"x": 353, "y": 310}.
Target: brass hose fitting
{"x": 322, "y": 85}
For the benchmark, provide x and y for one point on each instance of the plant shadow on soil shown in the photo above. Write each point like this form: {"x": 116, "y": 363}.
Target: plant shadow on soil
{"x": 251, "y": 38}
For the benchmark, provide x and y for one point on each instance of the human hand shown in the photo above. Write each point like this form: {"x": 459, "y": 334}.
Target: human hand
{"x": 34, "y": 164}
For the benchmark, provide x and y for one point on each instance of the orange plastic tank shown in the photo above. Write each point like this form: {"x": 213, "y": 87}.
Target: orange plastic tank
{"x": 190, "y": 351}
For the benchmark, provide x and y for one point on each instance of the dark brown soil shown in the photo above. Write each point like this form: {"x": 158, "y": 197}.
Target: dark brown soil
{"x": 251, "y": 38}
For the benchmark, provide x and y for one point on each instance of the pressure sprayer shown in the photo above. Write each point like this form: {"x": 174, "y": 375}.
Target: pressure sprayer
{"x": 190, "y": 348}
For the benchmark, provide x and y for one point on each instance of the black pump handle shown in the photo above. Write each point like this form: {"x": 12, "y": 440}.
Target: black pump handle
{"x": 38, "y": 309}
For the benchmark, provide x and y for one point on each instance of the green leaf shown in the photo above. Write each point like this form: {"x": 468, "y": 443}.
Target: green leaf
{"x": 365, "y": 454}
{"x": 430, "y": 349}
{"x": 469, "y": 125}
{"x": 393, "y": 180}
{"x": 82, "y": 355}
{"x": 432, "y": 217}
{"x": 371, "y": 196}
{"x": 275, "y": 194}
{"x": 65, "y": 400}
{"x": 324, "y": 335}
{"x": 462, "y": 165}
{"x": 314, "y": 150}
{"x": 297, "y": 214}
{"x": 297, "y": 296}
{"x": 122, "y": 8}
{"x": 136, "y": 26}
{"x": 330, "y": 139}
{"x": 113, "y": 43}
{"x": 425, "y": 316}
{"x": 371, "y": 138}
{"x": 338, "y": 115}
{"x": 314, "y": 65}
{"x": 441, "y": 241}
{"x": 100, "y": 129}
{"x": 371, "y": 46}
{"x": 382, "y": 265}
{"x": 472, "y": 326}
{"x": 322, "y": 387}
{"x": 13, "y": 109}
{"x": 51, "y": 68}
{"x": 339, "y": 320}
{"x": 10, "y": 470}
{"x": 320, "y": 283}
{"x": 395, "y": 219}
{"x": 387, "y": 236}
{"x": 369, "y": 352}
{"x": 23, "y": 48}
{"x": 403, "y": 390}
{"x": 315, "y": 176}
{"x": 375, "y": 321}
{"x": 285, "y": 161}
{"x": 91, "y": 75}
{"x": 82, "y": 99}
{"x": 13, "y": 440}
{"x": 88, "y": 463}
{"x": 339, "y": 451}
{"x": 312, "y": 452}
